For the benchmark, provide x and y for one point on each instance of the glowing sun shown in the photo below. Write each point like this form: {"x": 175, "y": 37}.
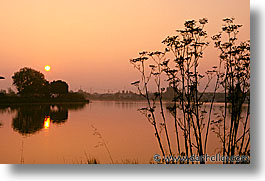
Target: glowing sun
{"x": 47, "y": 68}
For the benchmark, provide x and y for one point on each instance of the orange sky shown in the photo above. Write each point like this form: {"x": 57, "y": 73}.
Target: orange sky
{"x": 89, "y": 43}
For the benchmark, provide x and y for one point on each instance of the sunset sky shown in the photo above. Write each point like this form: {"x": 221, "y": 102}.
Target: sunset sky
{"x": 89, "y": 43}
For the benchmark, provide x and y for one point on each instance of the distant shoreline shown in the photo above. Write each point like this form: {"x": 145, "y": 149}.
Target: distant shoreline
{"x": 143, "y": 100}
{"x": 167, "y": 96}
{"x": 66, "y": 99}
{"x": 32, "y": 103}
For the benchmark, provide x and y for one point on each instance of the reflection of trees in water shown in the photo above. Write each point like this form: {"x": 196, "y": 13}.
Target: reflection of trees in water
{"x": 58, "y": 114}
{"x": 30, "y": 118}
{"x": 5, "y": 109}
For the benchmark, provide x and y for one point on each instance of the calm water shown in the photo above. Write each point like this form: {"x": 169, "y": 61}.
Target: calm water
{"x": 111, "y": 132}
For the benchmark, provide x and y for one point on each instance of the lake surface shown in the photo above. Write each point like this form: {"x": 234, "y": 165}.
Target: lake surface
{"x": 109, "y": 131}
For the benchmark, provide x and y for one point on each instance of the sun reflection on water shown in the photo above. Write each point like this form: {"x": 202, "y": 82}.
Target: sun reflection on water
{"x": 47, "y": 121}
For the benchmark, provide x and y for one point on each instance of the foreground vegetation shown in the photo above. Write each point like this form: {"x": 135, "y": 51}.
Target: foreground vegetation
{"x": 177, "y": 66}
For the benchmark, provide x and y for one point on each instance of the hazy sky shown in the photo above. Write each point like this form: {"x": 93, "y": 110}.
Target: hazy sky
{"x": 89, "y": 43}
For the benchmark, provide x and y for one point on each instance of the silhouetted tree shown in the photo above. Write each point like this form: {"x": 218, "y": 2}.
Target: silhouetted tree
{"x": 29, "y": 81}
{"x": 59, "y": 87}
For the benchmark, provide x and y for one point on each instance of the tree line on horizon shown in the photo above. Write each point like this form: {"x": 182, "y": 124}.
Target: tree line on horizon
{"x": 32, "y": 87}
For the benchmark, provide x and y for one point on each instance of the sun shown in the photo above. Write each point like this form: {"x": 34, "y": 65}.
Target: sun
{"x": 47, "y": 68}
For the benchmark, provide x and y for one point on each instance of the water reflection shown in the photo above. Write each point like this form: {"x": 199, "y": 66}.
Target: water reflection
{"x": 108, "y": 131}
{"x": 47, "y": 121}
{"x": 30, "y": 119}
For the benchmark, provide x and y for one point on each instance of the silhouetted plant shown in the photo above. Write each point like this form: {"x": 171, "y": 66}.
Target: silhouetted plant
{"x": 91, "y": 160}
{"x": 235, "y": 59}
{"x": 187, "y": 47}
{"x": 102, "y": 142}
{"x": 182, "y": 74}
{"x": 146, "y": 73}
{"x": 128, "y": 161}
